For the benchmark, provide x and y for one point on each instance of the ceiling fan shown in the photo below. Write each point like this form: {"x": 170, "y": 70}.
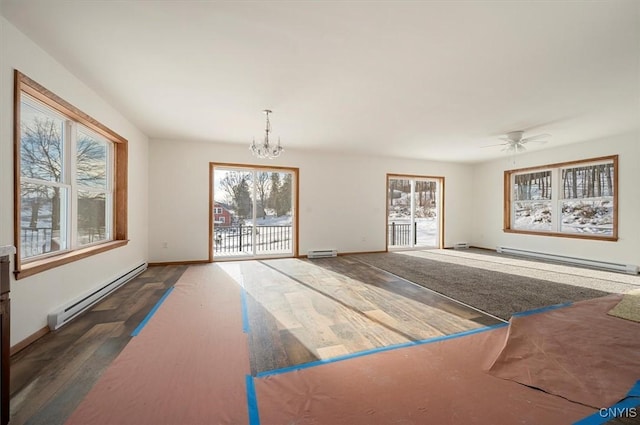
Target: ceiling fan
{"x": 514, "y": 142}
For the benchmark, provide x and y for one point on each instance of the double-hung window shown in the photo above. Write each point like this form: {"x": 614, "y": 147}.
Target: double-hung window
{"x": 70, "y": 182}
{"x": 573, "y": 199}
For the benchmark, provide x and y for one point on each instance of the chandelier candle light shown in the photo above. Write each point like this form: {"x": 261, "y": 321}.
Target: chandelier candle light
{"x": 265, "y": 149}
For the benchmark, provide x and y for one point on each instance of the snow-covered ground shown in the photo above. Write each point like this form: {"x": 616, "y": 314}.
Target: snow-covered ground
{"x": 271, "y": 220}
{"x": 578, "y": 216}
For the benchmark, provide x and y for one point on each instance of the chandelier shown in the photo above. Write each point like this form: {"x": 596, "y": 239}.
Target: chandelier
{"x": 266, "y": 149}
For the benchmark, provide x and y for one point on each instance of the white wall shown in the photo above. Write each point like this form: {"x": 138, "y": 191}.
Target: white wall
{"x": 488, "y": 198}
{"x": 34, "y": 297}
{"x": 342, "y": 197}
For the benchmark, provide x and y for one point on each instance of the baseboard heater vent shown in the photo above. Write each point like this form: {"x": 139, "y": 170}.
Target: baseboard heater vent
{"x": 605, "y": 265}
{"x": 322, "y": 253}
{"x": 461, "y": 245}
{"x": 64, "y": 314}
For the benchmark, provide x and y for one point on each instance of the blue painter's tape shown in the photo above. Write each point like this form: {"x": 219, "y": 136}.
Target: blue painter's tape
{"x": 541, "y": 310}
{"x": 629, "y": 408}
{"x": 252, "y": 402}
{"x": 245, "y": 312}
{"x": 635, "y": 390}
{"x": 377, "y": 350}
{"x": 142, "y": 324}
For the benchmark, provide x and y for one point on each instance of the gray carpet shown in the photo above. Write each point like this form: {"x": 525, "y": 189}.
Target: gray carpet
{"x": 499, "y": 294}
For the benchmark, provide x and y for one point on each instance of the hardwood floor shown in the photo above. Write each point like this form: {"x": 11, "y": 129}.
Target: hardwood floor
{"x": 50, "y": 377}
{"x": 301, "y": 310}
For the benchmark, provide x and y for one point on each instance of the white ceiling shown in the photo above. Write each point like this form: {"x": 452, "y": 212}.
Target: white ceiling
{"x": 434, "y": 79}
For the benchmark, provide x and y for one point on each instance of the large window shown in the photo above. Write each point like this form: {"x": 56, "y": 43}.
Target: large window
{"x": 574, "y": 199}
{"x": 70, "y": 174}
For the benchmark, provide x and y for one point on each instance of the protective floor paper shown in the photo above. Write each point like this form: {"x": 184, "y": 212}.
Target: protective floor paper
{"x": 187, "y": 365}
{"x": 437, "y": 383}
{"x": 577, "y": 352}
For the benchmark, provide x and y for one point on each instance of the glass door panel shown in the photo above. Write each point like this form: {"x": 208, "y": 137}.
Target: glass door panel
{"x": 400, "y": 213}
{"x": 413, "y": 212}
{"x": 233, "y": 207}
{"x": 274, "y": 217}
{"x": 425, "y": 213}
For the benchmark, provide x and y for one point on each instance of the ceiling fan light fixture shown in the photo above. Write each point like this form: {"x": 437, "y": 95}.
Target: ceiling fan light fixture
{"x": 515, "y": 136}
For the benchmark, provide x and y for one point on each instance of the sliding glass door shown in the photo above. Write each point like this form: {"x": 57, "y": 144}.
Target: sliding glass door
{"x": 414, "y": 212}
{"x": 253, "y": 211}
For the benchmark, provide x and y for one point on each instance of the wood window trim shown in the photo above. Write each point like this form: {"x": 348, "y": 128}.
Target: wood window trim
{"x": 37, "y": 266}
{"x": 22, "y": 83}
{"x": 507, "y": 200}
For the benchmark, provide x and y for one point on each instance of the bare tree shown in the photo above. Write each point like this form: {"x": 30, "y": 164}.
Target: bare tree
{"x": 41, "y": 157}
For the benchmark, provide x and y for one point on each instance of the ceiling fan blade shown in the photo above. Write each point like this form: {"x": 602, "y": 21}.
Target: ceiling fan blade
{"x": 542, "y": 142}
{"x": 535, "y": 138}
{"x": 497, "y": 144}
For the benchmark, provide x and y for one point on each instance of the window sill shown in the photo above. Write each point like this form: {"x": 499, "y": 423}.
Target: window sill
{"x": 563, "y": 235}
{"x": 34, "y": 267}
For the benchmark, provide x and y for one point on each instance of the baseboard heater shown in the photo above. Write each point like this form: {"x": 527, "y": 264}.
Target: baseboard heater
{"x": 322, "y": 253}
{"x": 605, "y": 265}
{"x": 64, "y": 314}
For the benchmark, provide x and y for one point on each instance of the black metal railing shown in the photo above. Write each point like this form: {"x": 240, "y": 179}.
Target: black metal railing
{"x": 273, "y": 238}
{"x": 240, "y": 239}
{"x": 42, "y": 240}
{"x": 36, "y": 240}
{"x": 87, "y": 235}
{"x": 400, "y": 234}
